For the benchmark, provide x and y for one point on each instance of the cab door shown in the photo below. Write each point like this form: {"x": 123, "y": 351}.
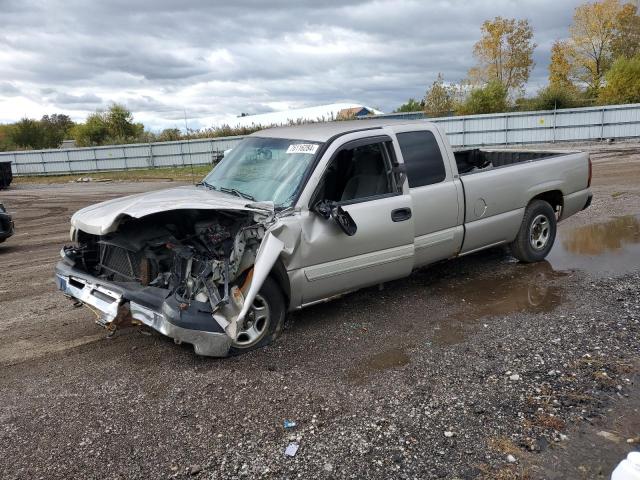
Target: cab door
{"x": 359, "y": 177}
{"x": 436, "y": 192}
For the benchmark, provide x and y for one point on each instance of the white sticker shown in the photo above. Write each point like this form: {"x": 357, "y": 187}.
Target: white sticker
{"x": 309, "y": 148}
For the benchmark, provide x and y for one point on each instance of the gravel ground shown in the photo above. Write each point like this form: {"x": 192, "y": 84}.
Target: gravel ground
{"x": 475, "y": 368}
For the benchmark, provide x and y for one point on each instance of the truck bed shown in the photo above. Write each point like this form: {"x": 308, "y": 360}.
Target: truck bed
{"x": 477, "y": 160}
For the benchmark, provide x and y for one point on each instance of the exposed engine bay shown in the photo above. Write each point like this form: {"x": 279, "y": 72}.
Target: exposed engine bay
{"x": 196, "y": 261}
{"x": 194, "y": 254}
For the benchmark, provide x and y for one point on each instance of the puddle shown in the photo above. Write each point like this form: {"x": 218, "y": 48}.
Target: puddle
{"x": 611, "y": 247}
{"x": 524, "y": 288}
{"x": 608, "y": 248}
{"x": 392, "y": 358}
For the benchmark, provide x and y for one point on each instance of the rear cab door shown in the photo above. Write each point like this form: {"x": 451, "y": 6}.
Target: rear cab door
{"x": 356, "y": 173}
{"x": 436, "y": 192}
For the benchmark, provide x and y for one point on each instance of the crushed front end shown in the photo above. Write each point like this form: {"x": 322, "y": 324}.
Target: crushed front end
{"x": 184, "y": 273}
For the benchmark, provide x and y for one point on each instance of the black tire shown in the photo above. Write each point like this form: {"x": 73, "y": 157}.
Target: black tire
{"x": 271, "y": 295}
{"x": 532, "y": 244}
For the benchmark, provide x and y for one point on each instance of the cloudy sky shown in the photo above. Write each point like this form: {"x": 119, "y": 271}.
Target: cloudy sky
{"x": 216, "y": 59}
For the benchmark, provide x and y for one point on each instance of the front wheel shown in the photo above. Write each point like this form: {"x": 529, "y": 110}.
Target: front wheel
{"x": 265, "y": 319}
{"x": 537, "y": 233}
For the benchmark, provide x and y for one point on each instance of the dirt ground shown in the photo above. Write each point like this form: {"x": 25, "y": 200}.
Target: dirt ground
{"x": 475, "y": 368}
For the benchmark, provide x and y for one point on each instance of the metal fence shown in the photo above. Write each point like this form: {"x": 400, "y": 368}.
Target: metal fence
{"x": 119, "y": 157}
{"x": 576, "y": 124}
{"x": 545, "y": 126}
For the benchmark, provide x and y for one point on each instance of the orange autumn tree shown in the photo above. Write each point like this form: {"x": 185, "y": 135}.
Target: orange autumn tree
{"x": 597, "y": 31}
{"x": 504, "y": 53}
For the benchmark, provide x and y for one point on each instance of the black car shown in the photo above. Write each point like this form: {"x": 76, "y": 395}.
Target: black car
{"x": 6, "y": 224}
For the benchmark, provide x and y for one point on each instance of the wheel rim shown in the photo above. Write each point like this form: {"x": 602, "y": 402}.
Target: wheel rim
{"x": 256, "y": 323}
{"x": 540, "y": 232}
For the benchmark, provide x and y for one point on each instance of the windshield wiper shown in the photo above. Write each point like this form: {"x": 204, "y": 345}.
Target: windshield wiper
{"x": 237, "y": 193}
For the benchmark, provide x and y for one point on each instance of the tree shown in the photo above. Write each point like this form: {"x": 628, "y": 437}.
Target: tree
{"x": 114, "y": 126}
{"x": 169, "y": 135}
{"x": 119, "y": 122}
{"x": 6, "y": 141}
{"x": 92, "y": 132}
{"x": 504, "y": 53}
{"x": 626, "y": 42}
{"x": 28, "y": 133}
{"x": 411, "y": 105}
{"x": 560, "y": 67}
{"x": 55, "y": 128}
{"x": 492, "y": 98}
{"x": 439, "y": 100}
{"x": 593, "y": 33}
{"x": 556, "y": 96}
{"x": 622, "y": 82}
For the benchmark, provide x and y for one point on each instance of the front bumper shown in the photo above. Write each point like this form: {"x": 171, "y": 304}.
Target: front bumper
{"x": 6, "y": 226}
{"x": 151, "y": 306}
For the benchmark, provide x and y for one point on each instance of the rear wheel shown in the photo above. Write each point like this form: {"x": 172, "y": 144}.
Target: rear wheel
{"x": 537, "y": 233}
{"x": 265, "y": 320}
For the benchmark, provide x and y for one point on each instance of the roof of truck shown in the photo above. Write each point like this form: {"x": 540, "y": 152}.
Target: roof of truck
{"x": 321, "y": 132}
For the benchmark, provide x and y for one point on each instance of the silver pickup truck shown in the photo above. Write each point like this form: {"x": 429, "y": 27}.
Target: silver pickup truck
{"x": 298, "y": 215}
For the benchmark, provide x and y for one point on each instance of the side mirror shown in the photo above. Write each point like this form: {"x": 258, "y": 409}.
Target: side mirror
{"x": 328, "y": 209}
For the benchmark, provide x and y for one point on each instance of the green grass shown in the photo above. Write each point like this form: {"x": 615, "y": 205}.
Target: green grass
{"x": 186, "y": 174}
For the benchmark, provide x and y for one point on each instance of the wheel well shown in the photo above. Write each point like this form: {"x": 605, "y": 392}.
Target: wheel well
{"x": 552, "y": 197}
{"x": 279, "y": 274}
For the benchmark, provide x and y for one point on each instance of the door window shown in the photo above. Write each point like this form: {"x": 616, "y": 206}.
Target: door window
{"x": 422, "y": 158}
{"x": 356, "y": 174}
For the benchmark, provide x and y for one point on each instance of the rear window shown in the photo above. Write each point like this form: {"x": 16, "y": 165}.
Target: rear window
{"x": 422, "y": 158}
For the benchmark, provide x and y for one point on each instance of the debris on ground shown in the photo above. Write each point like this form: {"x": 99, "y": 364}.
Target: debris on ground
{"x": 91, "y": 180}
{"x": 612, "y": 437}
{"x": 291, "y": 449}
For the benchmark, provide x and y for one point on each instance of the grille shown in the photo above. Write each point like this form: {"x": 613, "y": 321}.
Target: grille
{"x": 122, "y": 263}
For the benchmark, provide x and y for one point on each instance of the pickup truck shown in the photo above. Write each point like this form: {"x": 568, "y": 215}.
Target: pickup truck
{"x": 293, "y": 216}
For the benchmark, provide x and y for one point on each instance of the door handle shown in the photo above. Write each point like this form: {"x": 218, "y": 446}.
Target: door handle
{"x": 401, "y": 214}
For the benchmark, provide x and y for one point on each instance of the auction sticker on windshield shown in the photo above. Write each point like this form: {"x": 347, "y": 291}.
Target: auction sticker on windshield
{"x": 309, "y": 148}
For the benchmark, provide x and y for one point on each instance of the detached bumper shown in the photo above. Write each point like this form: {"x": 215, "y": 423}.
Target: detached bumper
{"x": 151, "y": 306}
{"x": 6, "y": 226}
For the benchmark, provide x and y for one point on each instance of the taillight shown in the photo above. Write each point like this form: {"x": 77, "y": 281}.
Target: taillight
{"x": 590, "y": 173}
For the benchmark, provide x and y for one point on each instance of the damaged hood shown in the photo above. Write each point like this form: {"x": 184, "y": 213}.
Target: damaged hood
{"x": 104, "y": 217}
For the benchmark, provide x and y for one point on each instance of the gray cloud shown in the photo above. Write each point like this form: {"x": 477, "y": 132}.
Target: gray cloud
{"x": 9, "y": 90}
{"x": 163, "y": 57}
{"x": 68, "y": 99}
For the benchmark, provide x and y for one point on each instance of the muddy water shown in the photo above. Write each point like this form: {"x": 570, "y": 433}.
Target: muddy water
{"x": 523, "y": 288}
{"x": 606, "y": 248}
{"x": 392, "y": 358}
